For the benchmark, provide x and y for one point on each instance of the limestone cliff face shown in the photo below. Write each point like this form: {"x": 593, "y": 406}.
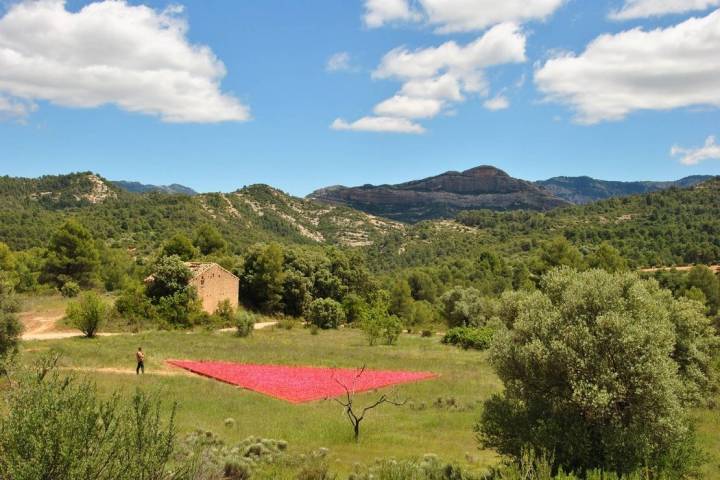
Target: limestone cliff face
{"x": 443, "y": 196}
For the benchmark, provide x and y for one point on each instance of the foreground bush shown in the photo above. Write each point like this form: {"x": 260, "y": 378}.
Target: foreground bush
{"x": 88, "y": 314}
{"x": 600, "y": 369}
{"x": 59, "y": 428}
{"x": 470, "y": 338}
{"x": 10, "y": 326}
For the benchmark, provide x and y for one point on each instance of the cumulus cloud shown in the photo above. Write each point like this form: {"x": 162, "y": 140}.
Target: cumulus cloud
{"x": 409, "y": 107}
{"x": 694, "y": 156}
{"x": 458, "y": 15}
{"x": 661, "y": 69}
{"x": 436, "y": 77}
{"x": 110, "y": 52}
{"x": 381, "y": 12}
{"x": 379, "y": 124}
{"x": 338, "y": 62}
{"x": 499, "y": 102}
{"x": 654, "y": 8}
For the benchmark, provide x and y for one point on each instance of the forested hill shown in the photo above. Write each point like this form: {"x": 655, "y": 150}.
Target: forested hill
{"x": 670, "y": 227}
{"x": 581, "y": 190}
{"x": 30, "y": 209}
{"x": 665, "y": 228}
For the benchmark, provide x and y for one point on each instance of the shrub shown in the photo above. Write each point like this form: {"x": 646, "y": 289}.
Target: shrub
{"x": 600, "y": 369}
{"x": 88, "y": 314}
{"x": 326, "y": 313}
{"x": 10, "y": 326}
{"x": 426, "y": 333}
{"x": 70, "y": 289}
{"x": 225, "y": 312}
{"x": 286, "y": 323}
{"x": 133, "y": 306}
{"x": 244, "y": 323}
{"x": 386, "y": 327}
{"x": 59, "y": 428}
{"x": 467, "y": 338}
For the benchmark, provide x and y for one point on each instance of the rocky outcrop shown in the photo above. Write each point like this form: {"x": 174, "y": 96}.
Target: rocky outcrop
{"x": 443, "y": 196}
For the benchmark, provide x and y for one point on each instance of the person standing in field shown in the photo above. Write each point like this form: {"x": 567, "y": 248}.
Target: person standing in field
{"x": 140, "y": 357}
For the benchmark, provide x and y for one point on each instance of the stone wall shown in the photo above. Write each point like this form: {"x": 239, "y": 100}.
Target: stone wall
{"x": 215, "y": 285}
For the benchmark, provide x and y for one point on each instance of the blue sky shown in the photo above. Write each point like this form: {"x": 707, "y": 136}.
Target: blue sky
{"x": 612, "y": 112}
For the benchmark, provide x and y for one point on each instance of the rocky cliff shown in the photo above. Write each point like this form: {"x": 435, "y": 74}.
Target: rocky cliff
{"x": 443, "y": 196}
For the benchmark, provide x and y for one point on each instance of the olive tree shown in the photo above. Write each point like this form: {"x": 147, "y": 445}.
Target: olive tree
{"x": 599, "y": 370}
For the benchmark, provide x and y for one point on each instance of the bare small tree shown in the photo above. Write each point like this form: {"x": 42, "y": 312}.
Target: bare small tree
{"x": 357, "y": 416}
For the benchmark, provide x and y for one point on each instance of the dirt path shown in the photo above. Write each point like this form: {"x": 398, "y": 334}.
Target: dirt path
{"x": 45, "y": 329}
{"x": 128, "y": 371}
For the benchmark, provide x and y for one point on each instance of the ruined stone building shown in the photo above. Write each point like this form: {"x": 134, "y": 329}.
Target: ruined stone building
{"x": 214, "y": 284}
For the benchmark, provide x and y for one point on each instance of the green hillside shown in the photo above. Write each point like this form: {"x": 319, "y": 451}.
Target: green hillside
{"x": 671, "y": 227}
{"x": 30, "y": 209}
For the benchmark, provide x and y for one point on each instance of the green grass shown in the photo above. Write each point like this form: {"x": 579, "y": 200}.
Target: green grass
{"x": 388, "y": 431}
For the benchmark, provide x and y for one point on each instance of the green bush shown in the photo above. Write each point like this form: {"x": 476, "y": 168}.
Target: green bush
{"x": 225, "y": 312}
{"x": 59, "y": 428}
{"x": 601, "y": 370}
{"x": 10, "y": 326}
{"x": 470, "y": 338}
{"x": 244, "y": 323}
{"x": 70, "y": 289}
{"x": 135, "y": 308}
{"x": 88, "y": 314}
{"x": 326, "y": 313}
{"x": 385, "y": 327}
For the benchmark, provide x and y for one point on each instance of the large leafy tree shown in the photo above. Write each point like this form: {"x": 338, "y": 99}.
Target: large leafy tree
{"x": 263, "y": 278}
{"x": 209, "y": 240}
{"x": 599, "y": 370}
{"x": 71, "y": 256}
{"x": 168, "y": 288}
{"x": 181, "y": 246}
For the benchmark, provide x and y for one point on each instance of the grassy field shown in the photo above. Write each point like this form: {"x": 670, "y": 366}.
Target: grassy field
{"x": 389, "y": 431}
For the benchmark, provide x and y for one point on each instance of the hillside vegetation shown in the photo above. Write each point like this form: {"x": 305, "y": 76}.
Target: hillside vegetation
{"x": 30, "y": 209}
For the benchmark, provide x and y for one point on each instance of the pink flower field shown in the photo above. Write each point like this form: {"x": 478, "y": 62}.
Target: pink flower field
{"x": 299, "y": 384}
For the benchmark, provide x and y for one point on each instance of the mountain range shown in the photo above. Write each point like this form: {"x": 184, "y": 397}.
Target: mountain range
{"x": 484, "y": 187}
{"x": 137, "y": 187}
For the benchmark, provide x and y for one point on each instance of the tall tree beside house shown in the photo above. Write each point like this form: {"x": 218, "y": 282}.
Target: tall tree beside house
{"x": 71, "y": 256}
{"x": 169, "y": 290}
{"x": 209, "y": 240}
{"x": 181, "y": 246}
{"x": 263, "y": 277}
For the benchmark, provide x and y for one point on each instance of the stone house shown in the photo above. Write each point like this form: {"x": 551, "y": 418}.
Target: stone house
{"x": 214, "y": 284}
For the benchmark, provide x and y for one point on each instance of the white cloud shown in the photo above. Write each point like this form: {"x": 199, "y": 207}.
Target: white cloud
{"x": 499, "y": 102}
{"x": 655, "y": 8}
{"x": 110, "y": 52}
{"x": 338, "y": 62}
{"x": 503, "y": 43}
{"x": 435, "y": 77}
{"x": 444, "y": 87}
{"x": 15, "y": 109}
{"x": 409, "y": 107}
{"x": 693, "y": 156}
{"x": 379, "y": 124}
{"x": 661, "y": 69}
{"x": 381, "y": 12}
{"x": 459, "y": 15}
